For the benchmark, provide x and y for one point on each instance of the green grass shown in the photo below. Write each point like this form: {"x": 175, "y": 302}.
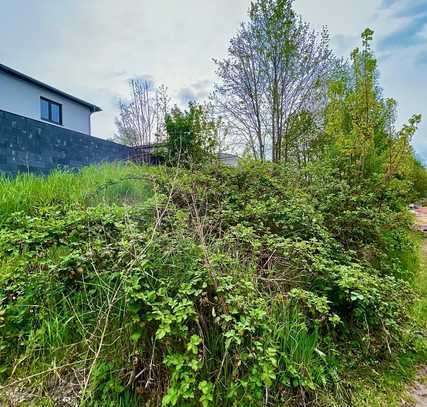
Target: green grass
{"x": 109, "y": 183}
{"x": 388, "y": 387}
{"x": 68, "y": 331}
{"x": 58, "y": 337}
{"x": 420, "y": 307}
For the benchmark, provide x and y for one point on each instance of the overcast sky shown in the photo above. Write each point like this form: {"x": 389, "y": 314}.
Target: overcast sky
{"x": 90, "y": 48}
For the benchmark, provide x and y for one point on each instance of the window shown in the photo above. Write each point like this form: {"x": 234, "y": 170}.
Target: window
{"x": 50, "y": 111}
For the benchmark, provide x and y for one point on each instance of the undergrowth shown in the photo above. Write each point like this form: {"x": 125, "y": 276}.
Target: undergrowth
{"x": 387, "y": 385}
{"x": 110, "y": 183}
{"x": 217, "y": 286}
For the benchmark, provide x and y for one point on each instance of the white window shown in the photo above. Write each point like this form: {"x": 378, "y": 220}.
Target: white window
{"x": 50, "y": 111}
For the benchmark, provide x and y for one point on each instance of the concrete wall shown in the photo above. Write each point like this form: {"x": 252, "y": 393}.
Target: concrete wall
{"x": 28, "y": 145}
{"x": 23, "y": 98}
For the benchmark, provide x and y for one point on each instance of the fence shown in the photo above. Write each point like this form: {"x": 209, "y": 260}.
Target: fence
{"x": 27, "y": 145}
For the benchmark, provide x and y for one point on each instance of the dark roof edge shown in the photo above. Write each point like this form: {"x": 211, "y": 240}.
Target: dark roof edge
{"x": 93, "y": 108}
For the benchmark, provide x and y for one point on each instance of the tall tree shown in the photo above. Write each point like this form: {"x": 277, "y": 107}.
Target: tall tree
{"x": 276, "y": 68}
{"x": 142, "y": 118}
{"x": 360, "y": 123}
{"x": 240, "y": 95}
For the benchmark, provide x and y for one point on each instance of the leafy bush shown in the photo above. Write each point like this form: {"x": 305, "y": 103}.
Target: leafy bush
{"x": 229, "y": 286}
{"x": 191, "y": 136}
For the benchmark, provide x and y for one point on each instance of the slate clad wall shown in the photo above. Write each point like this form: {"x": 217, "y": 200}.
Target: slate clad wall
{"x": 28, "y": 145}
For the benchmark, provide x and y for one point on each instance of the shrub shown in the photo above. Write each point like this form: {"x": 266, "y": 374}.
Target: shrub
{"x": 229, "y": 286}
{"x": 190, "y": 136}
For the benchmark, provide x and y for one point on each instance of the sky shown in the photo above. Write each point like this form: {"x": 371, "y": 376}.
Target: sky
{"x": 92, "y": 48}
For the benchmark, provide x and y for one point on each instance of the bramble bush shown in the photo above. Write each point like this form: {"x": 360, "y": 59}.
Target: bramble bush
{"x": 229, "y": 286}
{"x": 204, "y": 285}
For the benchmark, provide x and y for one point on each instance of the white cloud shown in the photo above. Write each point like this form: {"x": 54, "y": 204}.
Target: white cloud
{"x": 423, "y": 32}
{"x": 91, "y": 48}
{"x": 402, "y": 73}
{"x": 343, "y": 17}
{"x": 198, "y": 91}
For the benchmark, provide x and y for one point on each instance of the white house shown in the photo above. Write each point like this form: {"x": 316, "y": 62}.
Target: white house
{"x": 28, "y": 97}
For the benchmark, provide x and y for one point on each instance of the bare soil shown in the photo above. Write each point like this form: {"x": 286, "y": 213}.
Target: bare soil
{"x": 418, "y": 390}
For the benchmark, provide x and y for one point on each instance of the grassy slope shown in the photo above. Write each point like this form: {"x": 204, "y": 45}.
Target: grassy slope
{"x": 420, "y": 309}
{"x": 96, "y": 185}
{"x": 91, "y": 186}
{"x": 120, "y": 185}
{"x": 390, "y": 388}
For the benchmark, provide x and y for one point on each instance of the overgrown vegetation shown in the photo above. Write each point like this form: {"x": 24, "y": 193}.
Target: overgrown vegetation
{"x": 191, "y": 136}
{"x": 285, "y": 283}
{"x": 106, "y": 184}
{"x": 225, "y": 287}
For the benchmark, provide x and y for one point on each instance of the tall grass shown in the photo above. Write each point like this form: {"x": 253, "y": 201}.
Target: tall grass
{"x": 420, "y": 307}
{"x": 78, "y": 295}
{"x": 390, "y": 388}
{"x": 109, "y": 183}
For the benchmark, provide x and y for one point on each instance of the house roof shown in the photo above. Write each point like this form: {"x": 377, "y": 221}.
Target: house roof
{"x": 3, "y": 68}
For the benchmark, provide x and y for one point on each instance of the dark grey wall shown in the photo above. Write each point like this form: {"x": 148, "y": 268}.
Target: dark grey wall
{"x": 28, "y": 145}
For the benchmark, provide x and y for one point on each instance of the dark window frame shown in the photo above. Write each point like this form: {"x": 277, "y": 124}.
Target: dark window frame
{"x": 49, "y": 104}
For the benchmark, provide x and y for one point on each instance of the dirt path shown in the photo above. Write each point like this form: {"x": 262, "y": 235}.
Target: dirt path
{"x": 418, "y": 390}
{"x": 421, "y": 219}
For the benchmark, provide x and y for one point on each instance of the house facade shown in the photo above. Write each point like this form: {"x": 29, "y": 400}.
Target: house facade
{"x": 43, "y": 129}
{"x": 27, "y": 97}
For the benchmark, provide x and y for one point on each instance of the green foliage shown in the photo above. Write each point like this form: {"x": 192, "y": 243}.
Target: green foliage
{"x": 190, "y": 136}
{"x": 418, "y": 176}
{"x": 114, "y": 183}
{"x": 360, "y": 124}
{"x": 245, "y": 286}
{"x": 202, "y": 286}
